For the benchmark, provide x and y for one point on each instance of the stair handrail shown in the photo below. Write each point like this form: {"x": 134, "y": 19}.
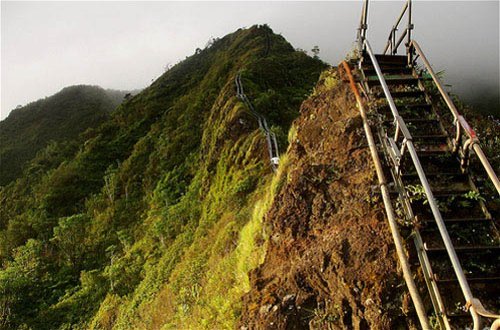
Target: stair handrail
{"x": 462, "y": 126}
{"x": 473, "y": 304}
{"x": 272, "y": 143}
{"x": 408, "y": 143}
{"x": 363, "y": 26}
{"x": 459, "y": 121}
{"x": 393, "y": 44}
{"x": 391, "y": 214}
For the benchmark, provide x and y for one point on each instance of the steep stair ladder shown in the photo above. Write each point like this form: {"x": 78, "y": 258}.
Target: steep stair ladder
{"x": 470, "y": 225}
{"x": 456, "y": 238}
{"x": 272, "y": 143}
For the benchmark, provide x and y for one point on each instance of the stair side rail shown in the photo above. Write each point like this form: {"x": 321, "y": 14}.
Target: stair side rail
{"x": 363, "y": 26}
{"x": 408, "y": 145}
{"x": 391, "y": 217}
{"x": 393, "y": 42}
{"x": 461, "y": 125}
{"x": 272, "y": 143}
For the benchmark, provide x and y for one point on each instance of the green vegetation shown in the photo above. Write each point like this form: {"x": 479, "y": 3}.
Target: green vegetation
{"x": 416, "y": 193}
{"x": 155, "y": 219}
{"x": 59, "y": 118}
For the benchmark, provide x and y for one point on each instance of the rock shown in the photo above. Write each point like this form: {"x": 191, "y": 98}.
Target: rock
{"x": 288, "y": 299}
{"x": 265, "y": 309}
{"x": 369, "y": 302}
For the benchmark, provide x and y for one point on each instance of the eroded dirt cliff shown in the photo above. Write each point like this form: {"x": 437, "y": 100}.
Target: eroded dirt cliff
{"x": 330, "y": 261}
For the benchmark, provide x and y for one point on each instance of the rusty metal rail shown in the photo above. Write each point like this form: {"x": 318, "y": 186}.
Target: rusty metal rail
{"x": 398, "y": 241}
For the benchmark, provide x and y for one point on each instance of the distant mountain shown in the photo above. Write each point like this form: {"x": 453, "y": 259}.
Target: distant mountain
{"x": 60, "y": 117}
{"x": 138, "y": 226}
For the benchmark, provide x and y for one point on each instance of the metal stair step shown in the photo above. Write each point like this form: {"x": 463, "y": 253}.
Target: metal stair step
{"x": 432, "y": 153}
{"x": 429, "y": 140}
{"x": 395, "y": 60}
{"x": 458, "y": 220}
{"x": 391, "y": 58}
{"x": 430, "y": 147}
{"x": 408, "y": 107}
{"x": 439, "y": 193}
{"x": 454, "y": 315}
{"x": 415, "y": 120}
{"x": 417, "y": 126}
{"x": 369, "y": 70}
{"x": 459, "y": 318}
{"x": 434, "y": 174}
{"x": 416, "y": 105}
{"x": 402, "y": 94}
{"x": 449, "y": 193}
{"x": 393, "y": 80}
{"x": 465, "y": 235}
{"x": 439, "y": 159}
{"x": 464, "y": 249}
{"x": 390, "y": 77}
{"x": 447, "y": 168}
{"x": 429, "y": 136}
{"x": 456, "y": 182}
{"x": 469, "y": 280}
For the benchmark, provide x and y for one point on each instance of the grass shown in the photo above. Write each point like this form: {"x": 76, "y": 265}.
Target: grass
{"x": 173, "y": 190}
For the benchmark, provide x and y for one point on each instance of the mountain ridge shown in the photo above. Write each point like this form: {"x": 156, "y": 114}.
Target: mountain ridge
{"x": 57, "y": 118}
{"x": 153, "y": 202}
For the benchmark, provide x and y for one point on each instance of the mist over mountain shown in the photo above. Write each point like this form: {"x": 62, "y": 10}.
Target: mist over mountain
{"x": 61, "y": 117}
{"x": 127, "y": 51}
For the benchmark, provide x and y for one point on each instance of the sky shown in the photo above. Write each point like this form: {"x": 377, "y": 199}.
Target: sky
{"x": 46, "y": 46}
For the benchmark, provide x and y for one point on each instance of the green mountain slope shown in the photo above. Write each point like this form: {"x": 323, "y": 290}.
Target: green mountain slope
{"x": 60, "y": 117}
{"x": 155, "y": 220}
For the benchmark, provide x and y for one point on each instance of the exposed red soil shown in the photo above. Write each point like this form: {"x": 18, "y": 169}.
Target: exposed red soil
{"x": 330, "y": 262}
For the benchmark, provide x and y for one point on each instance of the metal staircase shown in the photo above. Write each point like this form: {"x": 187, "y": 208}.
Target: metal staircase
{"x": 272, "y": 143}
{"x": 424, "y": 147}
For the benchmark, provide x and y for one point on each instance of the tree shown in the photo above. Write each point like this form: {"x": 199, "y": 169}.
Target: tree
{"x": 315, "y": 51}
{"x": 20, "y": 284}
{"x": 69, "y": 237}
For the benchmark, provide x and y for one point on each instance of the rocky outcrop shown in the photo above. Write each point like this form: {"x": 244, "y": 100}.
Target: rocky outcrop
{"x": 330, "y": 261}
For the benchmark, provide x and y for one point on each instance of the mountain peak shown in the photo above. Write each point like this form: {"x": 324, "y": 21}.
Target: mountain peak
{"x": 151, "y": 181}
{"x": 60, "y": 117}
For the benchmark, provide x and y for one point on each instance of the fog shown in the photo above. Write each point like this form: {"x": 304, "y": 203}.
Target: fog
{"x": 46, "y": 46}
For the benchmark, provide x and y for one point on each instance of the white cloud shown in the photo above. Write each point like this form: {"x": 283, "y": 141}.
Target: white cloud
{"x": 46, "y": 46}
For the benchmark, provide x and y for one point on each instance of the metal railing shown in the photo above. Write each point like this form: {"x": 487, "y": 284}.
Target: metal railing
{"x": 391, "y": 217}
{"x": 412, "y": 49}
{"x": 407, "y": 144}
{"x": 393, "y": 42}
{"x": 461, "y": 126}
{"x": 363, "y": 26}
{"x": 272, "y": 143}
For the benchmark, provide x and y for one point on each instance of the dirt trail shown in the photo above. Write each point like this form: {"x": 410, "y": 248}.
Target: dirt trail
{"x": 330, "y": 262}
